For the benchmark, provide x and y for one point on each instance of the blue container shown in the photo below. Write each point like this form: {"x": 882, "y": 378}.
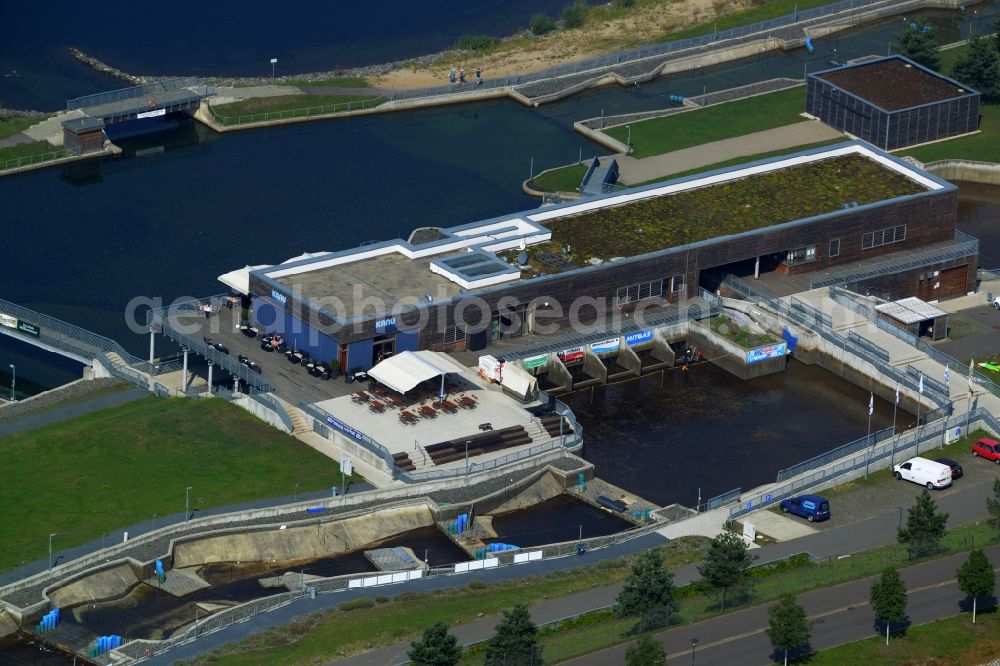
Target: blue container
{"x": 809, "y": 45}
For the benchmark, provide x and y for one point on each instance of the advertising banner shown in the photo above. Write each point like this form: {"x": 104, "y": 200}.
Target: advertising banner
{"x": 152, "y": 114}
{"x": 572, "y": 355}
{"x": 605, "y": 346}
{"x": 639, "y": 338}
{"x": 535, "y": 361}
{"x": 491, "y": 369}
{"x": 764, "y": 353}
{"x": 28, "y": 328}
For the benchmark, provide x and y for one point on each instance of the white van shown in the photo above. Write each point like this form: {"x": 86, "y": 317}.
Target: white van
{"x": 925, "y": 472}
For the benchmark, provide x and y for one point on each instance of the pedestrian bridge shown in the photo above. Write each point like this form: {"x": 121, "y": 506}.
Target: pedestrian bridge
{"x": 146, "y": 101}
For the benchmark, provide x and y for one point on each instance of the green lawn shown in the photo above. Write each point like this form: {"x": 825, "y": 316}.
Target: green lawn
{"x": 713, "y": 123}
{"x": 43, "y": 150}
{"x": 339, "y": 82}
{"x": 295, "y": 105}
{"x": 333, "y": 634}
{"x": 982, "y": 147}
{"x": 114, "y": 467}
{"x": 11, "y": 126}
{"x": 562, "y": 179}
{"x": 951, "y": 642}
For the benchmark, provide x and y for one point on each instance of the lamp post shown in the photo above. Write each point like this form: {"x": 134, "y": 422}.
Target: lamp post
{"x": 467, "y": 457}
{"x": 274, "y": 61}
{"x": 694, "y": 644}
{"x": 50, "y": 549}
{"x": 628, "y": 141}
{"x": 296, "y": 498}
{"x": 13, "y": 380}
{"x": 187, "y": 503}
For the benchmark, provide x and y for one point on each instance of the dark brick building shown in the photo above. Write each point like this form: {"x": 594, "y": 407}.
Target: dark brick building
{"x": 892, "y": 102}
{"x": 461, "y": 289}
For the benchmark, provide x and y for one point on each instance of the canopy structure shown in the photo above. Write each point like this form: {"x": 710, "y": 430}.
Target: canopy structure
{"x": 239, "y": 280}
{"x": 407, "y": 369}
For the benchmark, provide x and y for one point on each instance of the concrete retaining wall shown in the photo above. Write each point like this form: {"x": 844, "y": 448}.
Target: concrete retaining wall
{"x": 987, "y": 173}
{"x": 261, "y": 412}
{"x": 105, "y": 584}
{"x": 730, "y": 356}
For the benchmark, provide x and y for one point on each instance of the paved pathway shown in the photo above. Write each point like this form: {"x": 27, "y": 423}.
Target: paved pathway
{"x": 70, "y": 411}
{"x": 633, "y": 171}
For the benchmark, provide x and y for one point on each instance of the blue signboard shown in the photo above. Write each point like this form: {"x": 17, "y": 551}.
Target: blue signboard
{"x": 767, "y": 499}
{"x": 278, "y": 296}
{"x": 764, "y": 353}
{"x": 605, "y": 346}
{"x": 385, "y": 325}
{"x": 639, "y": 338}
{"x": 344, "y": 428}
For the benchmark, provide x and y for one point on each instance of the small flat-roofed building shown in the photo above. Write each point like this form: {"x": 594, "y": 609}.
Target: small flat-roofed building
{"x": 892, "y": 102}
{"x": 83, "y": 135}
{"x": 839, "y": 214}
{"x": 916, "y": 316}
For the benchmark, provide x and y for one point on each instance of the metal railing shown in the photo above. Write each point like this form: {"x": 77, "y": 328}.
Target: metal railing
{"x": 18, "y": 162}
{"x": 274, "y": 405}
{"x": 722, "y": 499}
{"x": 122, "y": 372}
{"x": 965, "y": 246}
{"x": 330, "y": 421}
{"x": 857, "y": 304}
{"x": 899, "y": 447}
{"x": 824, "y": 459}
{"x": 132, "y": 92}
{"x": 304, "y": 112}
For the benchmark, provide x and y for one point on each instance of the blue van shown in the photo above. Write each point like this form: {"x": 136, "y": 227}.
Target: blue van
{"x": 811, "y": 507}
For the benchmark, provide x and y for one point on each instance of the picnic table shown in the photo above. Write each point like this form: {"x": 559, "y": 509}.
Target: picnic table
{"x": 427, "y": 412}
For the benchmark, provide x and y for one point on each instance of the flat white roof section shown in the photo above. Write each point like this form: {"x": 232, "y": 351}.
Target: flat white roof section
{"x": 910, "y": 310}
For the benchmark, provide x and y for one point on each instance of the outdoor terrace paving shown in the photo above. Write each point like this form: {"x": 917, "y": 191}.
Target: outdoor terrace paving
{"x": 893, "y": 84}
{"x": 731, "y": 207}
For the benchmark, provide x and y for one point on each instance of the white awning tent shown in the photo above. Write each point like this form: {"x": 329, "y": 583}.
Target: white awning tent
{"x": 520, "y": 383}
{"x": 239, "y": 280}
{"x": 407, "y": 369}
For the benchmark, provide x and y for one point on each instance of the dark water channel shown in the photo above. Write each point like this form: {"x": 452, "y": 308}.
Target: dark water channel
{"x": 22, "y": 650}
{"x": 561, "y": 518}
{"x": 707, "y": 429}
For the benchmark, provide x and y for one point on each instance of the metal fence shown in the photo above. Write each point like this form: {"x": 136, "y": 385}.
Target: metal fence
{"x": 132, "y": 92}
{"x": 722, "y": 500}
{"x": 274, "y": 405}
{"x": 304, "y": 112}
{"x": 902, "y": 446}
{"x": 824, "y": 459}
{"x": 18, "y": 162}
{"x": 857, "y": 304}
{"x": 122, "y": 372}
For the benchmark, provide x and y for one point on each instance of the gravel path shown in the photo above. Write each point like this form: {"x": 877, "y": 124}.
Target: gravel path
{"x": 72, "y": 392}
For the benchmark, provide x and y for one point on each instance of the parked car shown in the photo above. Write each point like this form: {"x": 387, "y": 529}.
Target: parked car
{"x": 925, "y": 472}
{"x": 987, "y": 448}
{"x": 996, "y": 303}
{"x": 811, "y": 507}
{"x": 956, "y": 469}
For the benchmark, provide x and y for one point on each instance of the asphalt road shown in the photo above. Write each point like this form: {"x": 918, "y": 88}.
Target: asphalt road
{"x": 839, "y": 614}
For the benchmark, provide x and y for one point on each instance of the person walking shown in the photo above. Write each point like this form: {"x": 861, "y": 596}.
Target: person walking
{"x": 479, "y": 76}
{"x": 452, "y": 76}
{"x": 461, "y": 75}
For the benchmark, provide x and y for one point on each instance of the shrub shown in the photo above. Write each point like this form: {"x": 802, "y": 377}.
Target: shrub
{"x": 382, "y": 599}
{"x": 411, "y": 596}
{"x": 575, "y": 15}
{"x": 476, "y": 42}
{"x": 356, "y": 604}
{"x": 477, "y": 585}
{"x": 541, "y": 24}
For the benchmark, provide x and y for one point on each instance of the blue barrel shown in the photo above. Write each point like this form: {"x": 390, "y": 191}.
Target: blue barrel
{"x": 809, "y": 45}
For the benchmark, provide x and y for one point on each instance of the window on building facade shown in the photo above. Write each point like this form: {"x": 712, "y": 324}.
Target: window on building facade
{"x": 802, "y": 255}
{"x": 883, "y": 237}
{"x": 453, "y": 334}
{"x": 637, "y": 292}
{"x": 677, "y": 283}
{"x": 835, "y": 247}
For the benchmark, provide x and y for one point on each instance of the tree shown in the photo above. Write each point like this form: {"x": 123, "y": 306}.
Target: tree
{"x": 513, "y": 642}
{"x": 575, "y": 15}
{"x": 977, "y": 67}
{"x": 918, "y": 42}
{"x": 993, "y": 503}
{"x": 996, "y": 33}
{"x": 889, "y": 600}
{"x": 726, "y": 564}
{"x": 924, "y": 529}
{"x": 787, "y": 626}
{"x": 648, "y": 592}
{"x": 436, "y": 647}
{"x": 646, "y": 652}
{"x": 541, "y": 24}
{"x": 976, "y": 578}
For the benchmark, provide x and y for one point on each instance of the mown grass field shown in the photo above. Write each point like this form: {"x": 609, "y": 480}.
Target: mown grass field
{"x": 90, "y": 475}
{"x": 713, "y": 123}
{"x": 31, "y": 149}
{"x": 262, "y": 105}
{"x": 563, "y": 179}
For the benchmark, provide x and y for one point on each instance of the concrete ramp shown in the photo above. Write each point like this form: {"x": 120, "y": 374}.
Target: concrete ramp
{"x": 545, "y": 488}
{"x": 7, "y": 625}
{"x": 304, "y": 542}
{"x": 179, "y": 582}
{"x": 106, "y": 584}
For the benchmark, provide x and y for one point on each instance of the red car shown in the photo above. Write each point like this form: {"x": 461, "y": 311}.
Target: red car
{"x": 987, "y": 448}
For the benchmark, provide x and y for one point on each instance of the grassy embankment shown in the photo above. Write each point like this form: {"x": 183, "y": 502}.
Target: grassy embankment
{"x": 115, "y": 467}
{"x": 713, "y": 123}
{"x": 290, "y": 106}
{"x": 10, "y": 127}
{"x": 338, "y": 82}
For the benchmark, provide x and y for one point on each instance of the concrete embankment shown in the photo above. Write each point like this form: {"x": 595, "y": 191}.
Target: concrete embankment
{"x": 987, "y": 173}
{"x": 304, "y": 542}
{"x": 106, "y": 584}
